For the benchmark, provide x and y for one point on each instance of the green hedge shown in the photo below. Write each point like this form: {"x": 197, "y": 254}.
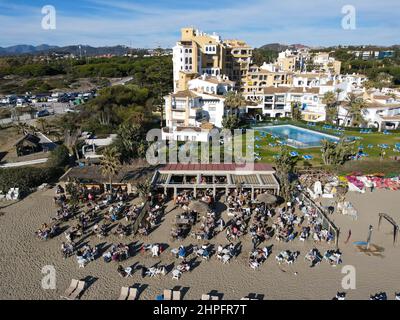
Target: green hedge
{"x": 27, "y": 178}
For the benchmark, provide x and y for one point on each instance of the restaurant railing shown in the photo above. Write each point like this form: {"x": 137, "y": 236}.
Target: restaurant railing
{"x": 140, "y": 217}
{"x": 326, "y": 222}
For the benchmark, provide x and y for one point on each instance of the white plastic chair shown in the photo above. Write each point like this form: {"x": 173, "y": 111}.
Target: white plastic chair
{"x": 176, "y": 274}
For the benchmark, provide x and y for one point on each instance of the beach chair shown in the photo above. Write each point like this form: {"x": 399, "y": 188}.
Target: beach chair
{"x": 176, "y": 295}
{"x": 133, "y": 294}
{"x": 205, "y": 297}
{"x": 167, "y": 294}
{"x": 176, "y": 274}
{"x": 70, "y": 289}
{"x": 78, "y": 292}
{"x": 124, "y": 293}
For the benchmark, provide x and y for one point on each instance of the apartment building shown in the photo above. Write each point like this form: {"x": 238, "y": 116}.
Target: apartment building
{"x": 200, "y": 53}
{"x": 191, "y": 114}
{"x": 261, "y": 77}
{"x": 373, "y": 54}
{"x": 323, "y": 62}
{"x": 237, "y": 60}
{"x": 276, "y": 102}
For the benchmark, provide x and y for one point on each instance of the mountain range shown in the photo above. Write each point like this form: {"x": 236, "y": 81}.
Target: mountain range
{"x": 77, "y": 50}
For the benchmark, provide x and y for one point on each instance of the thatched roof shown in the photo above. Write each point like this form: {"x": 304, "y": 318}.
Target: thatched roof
{"x": 93, "y": 173}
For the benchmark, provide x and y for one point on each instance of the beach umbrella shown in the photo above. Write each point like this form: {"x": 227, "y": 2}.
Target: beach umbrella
{"x": 266, "y": 198}
{"x": 199, "y": 206}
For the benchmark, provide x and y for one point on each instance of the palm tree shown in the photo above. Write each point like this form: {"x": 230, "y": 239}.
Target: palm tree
{"x": 233, "y": 101}
{"x": 285, "y": 167}
{"x": 331, "y": 101}
{"x": 354, "y": 106}
{"x": 71, "y": 140}
{"x": 110, "y": 163}
{"x": 295, "y": 110}
{"x": 144, "y": 188}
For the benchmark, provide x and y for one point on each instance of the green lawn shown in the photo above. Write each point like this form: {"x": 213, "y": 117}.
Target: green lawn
{"x": 267, "y": 152}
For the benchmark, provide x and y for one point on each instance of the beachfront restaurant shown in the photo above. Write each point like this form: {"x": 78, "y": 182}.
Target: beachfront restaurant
{"x": 174, "y": 178}
{"x": 91, "y": 177}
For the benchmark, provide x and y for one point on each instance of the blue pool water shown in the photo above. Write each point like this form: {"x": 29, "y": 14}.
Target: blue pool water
{"x": 298, "y": 137}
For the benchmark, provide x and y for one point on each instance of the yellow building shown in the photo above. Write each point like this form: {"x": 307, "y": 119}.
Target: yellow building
{"x": 201, "y": 53}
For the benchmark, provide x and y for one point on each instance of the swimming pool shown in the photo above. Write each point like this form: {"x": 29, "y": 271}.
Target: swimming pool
{"x": 298, "y": 137}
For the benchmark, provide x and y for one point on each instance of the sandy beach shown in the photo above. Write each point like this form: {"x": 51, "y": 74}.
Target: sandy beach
{"x": 23, "y": 257}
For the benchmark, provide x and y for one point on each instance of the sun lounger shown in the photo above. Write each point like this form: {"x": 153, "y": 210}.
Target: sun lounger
{"x": 176, "y": 295}
{"x": 205, "y": 297}
{"x": 124, "y": 293}
{"x": 167, "y": 294}
{"x": 70, "y": 289}
{"x": 133, "y": 294}
{"x": 79, "y": 290}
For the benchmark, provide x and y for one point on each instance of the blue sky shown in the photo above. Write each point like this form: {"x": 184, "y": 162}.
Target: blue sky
{"x": 152, "y": 23}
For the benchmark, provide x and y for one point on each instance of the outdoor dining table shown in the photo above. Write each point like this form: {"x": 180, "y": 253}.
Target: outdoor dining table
{"x": 183, "y": 221}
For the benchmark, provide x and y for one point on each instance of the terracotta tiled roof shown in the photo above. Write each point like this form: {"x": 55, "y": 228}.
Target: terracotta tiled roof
{"x": 216, "y": 167}
{"x": 184, "y": 94}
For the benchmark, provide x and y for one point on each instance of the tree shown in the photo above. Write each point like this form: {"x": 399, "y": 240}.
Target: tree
{"x": 354, "y": 106}
{"x": 73, "y": 189}
{"x": 42, "y": 123}
{"x": 144, "y": 188}
{"x": 131, "y": 141}
{"x": 330, "y": 101}
{"x": 233, "y": 101}
{"x": 336, "y": 153}
{"x": 285, "y": 168}
{"x": 231, "y": 122}
{"x": 22, "y": 127}
{"x": 59, "y": 157}
{"x": 382, "y": 80}
{"x": 110, "y": 163}
{"x": 71, "y": 140}
{"x": 296, "y": 112}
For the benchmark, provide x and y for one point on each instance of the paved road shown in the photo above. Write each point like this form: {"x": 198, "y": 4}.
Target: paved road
{"x": 45, "y": 142}
{"x": 23, "y": 163}
{"x": 53, "y": 108}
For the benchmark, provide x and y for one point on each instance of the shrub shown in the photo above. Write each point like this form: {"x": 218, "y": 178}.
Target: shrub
{"x": 59, "y": 157}
{"x": 27, "y": 178}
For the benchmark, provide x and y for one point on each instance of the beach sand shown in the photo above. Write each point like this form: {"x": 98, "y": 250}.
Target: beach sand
{"x": 23, "y": 256}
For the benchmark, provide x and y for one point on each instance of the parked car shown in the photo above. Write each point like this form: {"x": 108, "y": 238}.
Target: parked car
{"x": 42, "y": 113}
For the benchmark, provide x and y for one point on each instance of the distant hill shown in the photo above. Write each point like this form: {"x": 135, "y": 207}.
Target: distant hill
{"x": 73, "y": 49}
{"x": 25, "y": 49}
{"x": 278, "y": 47}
